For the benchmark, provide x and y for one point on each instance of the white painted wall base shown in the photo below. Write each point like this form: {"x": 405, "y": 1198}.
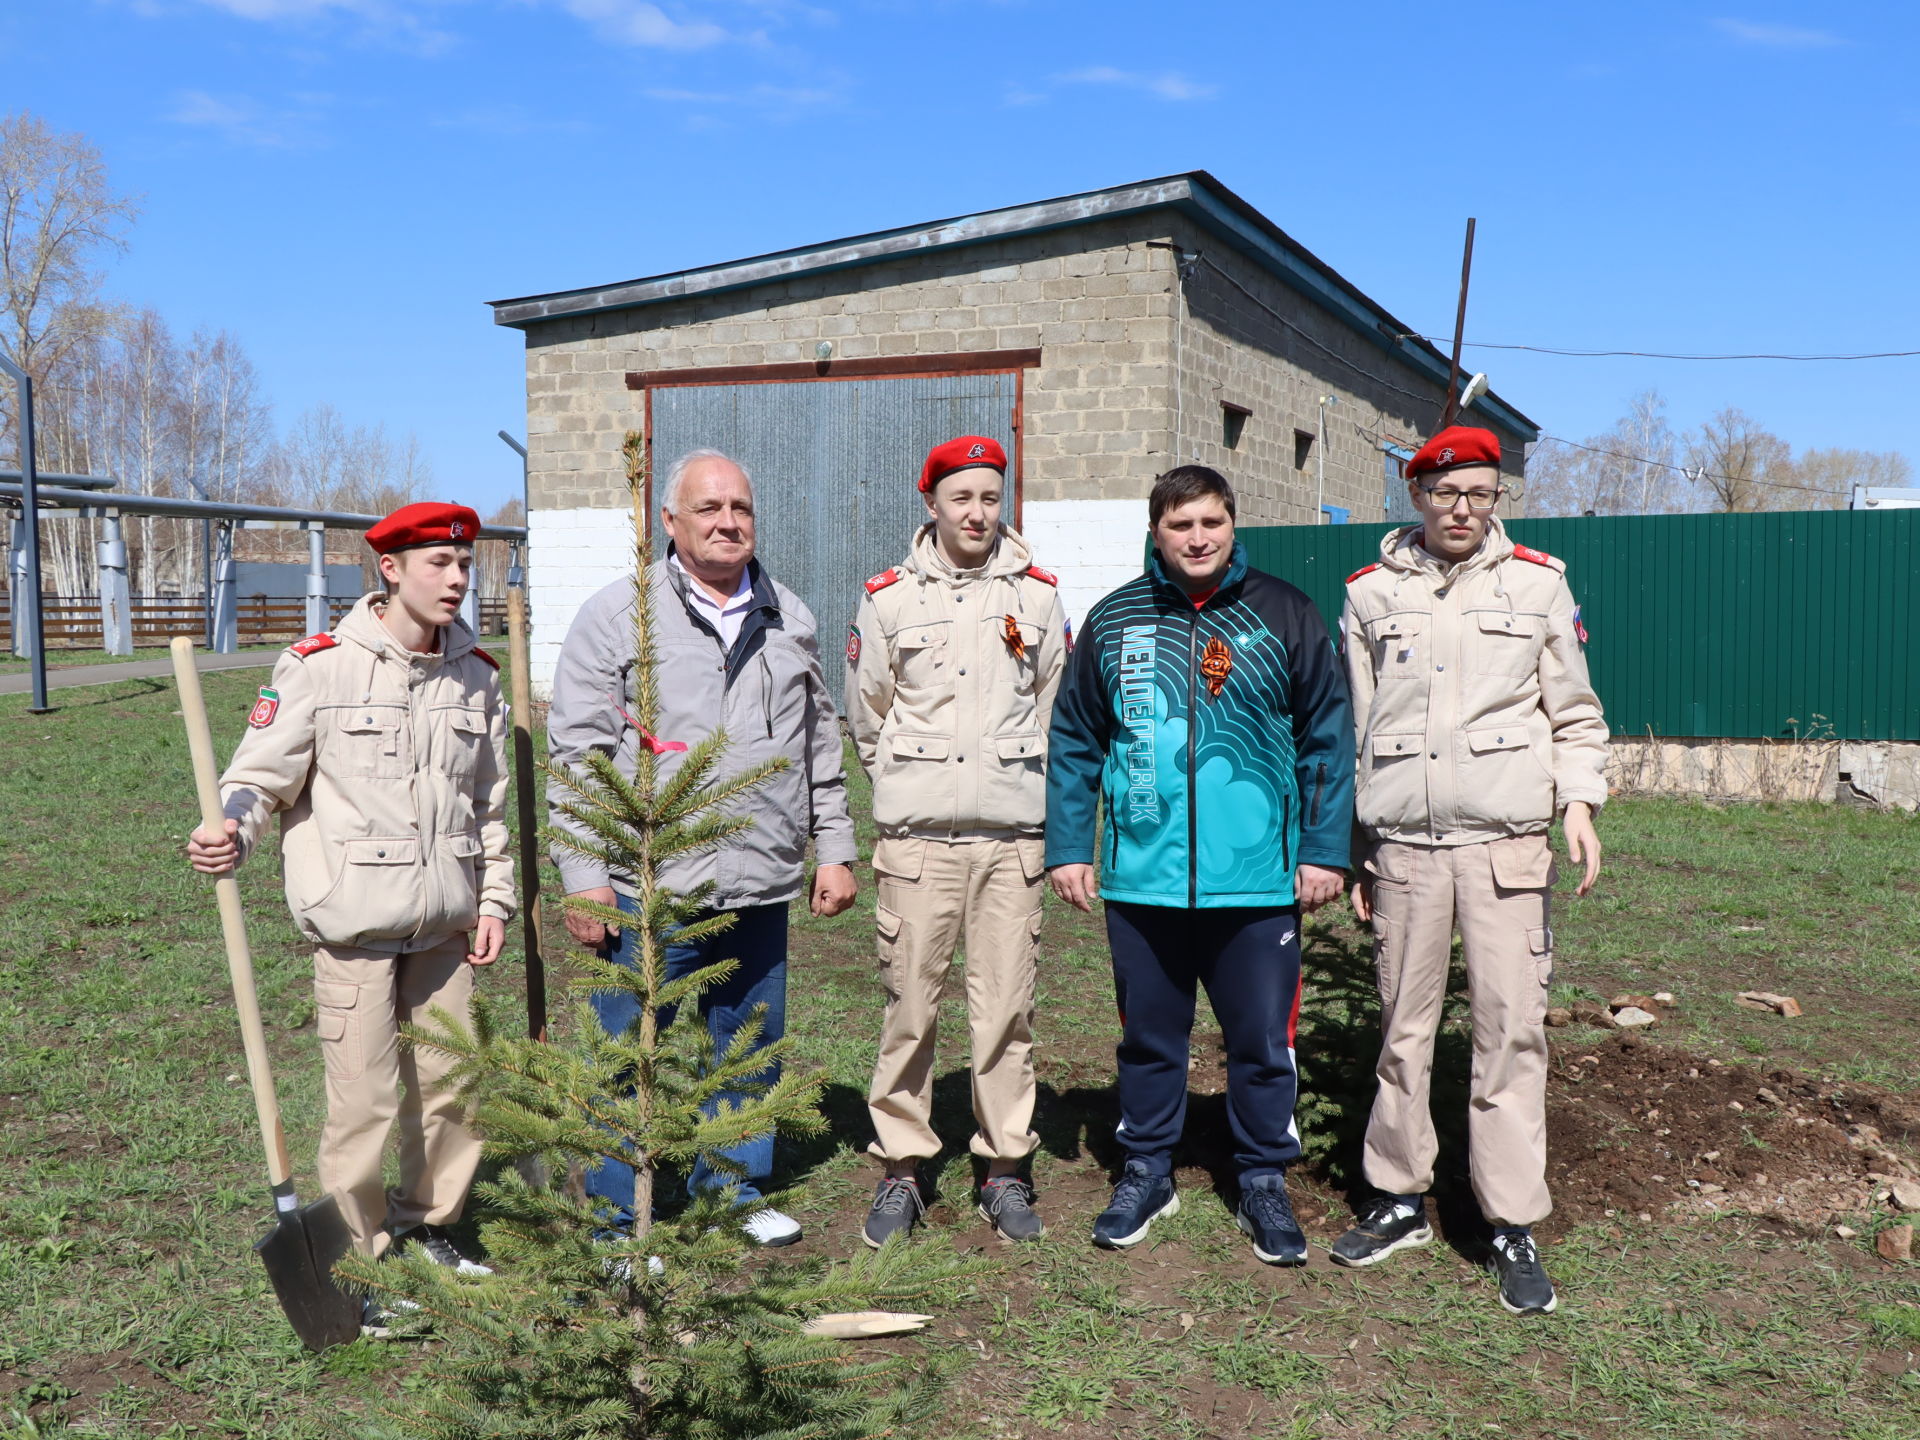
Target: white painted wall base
{"x": 571, "y": 554}
{"x": 1094, "y": 546}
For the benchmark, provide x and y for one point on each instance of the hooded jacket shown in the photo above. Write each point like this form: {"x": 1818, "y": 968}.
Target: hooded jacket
{"x": 388, "y": 770}
{"x": 1473, "y": 712}
{"x": 1213, "y": 793}
{"x": 948, "y": 709}
{"x": 766, "y": 692}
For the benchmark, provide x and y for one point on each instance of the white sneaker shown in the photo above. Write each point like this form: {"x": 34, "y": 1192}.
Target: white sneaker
{"x": 435, "y": 1244}
{"x": 618, "y": 1267}
{"x": 770, "y": 1227}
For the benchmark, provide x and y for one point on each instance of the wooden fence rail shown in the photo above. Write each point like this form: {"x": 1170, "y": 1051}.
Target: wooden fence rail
{"x": 75, "y": 624}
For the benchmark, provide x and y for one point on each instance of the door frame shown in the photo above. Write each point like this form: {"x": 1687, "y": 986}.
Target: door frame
{"x": 881, "y": 367}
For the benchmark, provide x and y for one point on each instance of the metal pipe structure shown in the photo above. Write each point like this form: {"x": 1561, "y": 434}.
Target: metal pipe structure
{"x": 317, "y": 609}
{"x": 70, "y": 482}
{"x": 250, "y": 517}
{"x": 1459, "y": 328}
{"x": 226, "y": 601}
{"x": 116, "y": 597}
{"x": 27, "y": 601}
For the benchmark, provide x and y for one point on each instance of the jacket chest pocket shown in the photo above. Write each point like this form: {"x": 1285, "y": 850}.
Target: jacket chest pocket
{"x": 1020, "y": 642}
{"x": 459, "y": 733}
{"x": 1399, "y": 645}
{"x": 367, "y": 740}
{"x": 1504, "y": 642}
{"x": 921, "y": 652}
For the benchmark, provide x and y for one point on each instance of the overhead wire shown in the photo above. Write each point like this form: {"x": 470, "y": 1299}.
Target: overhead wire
{"x": 1695, "y": 473}
{"x": 1657, "y": 354}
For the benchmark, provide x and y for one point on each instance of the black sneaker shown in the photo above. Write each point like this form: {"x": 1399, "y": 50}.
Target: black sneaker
{"x": 1139, "y": 1199}
{"x": 1386, "y": 1225}
{"x": 432, "y": 1242}
{"x": 1007, "y": 1203}
{"x": 896, "y": 1209}
{"x": 1266, "y": 1214}
{"x": 1524, "y": 1286}
{"x": 377, "y": 1320}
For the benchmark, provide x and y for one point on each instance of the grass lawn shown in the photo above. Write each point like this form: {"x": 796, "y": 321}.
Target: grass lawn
{"x": 1703, "y": 1290}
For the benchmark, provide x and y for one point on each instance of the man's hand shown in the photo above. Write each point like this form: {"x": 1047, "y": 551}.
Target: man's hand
{"x": 1583, "y": 845}
{"x": 1315, "y": 885}
{"x": 1362, "y": 897}
{"x": 1074, "y": 884}
{"x": 213, "y": 854}
{"x": 585, "y": 929}
{"x": 833, "y": 889}
{"x": 488, "y": 936}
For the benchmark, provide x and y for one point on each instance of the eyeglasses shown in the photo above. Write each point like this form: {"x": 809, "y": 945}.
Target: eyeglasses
{"x": 1446, "y": 497}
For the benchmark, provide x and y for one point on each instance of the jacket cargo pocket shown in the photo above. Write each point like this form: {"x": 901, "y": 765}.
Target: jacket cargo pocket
{"x": 364, "y": 740}
{"x": 1398, "y": 650}
{"x": 1392, "y": 782}
{"x": 1522, "y": 862}
{"x": 377, "y": 895}
{"x": 462, "y": 896}
{"x": 460, "y": 733}
{"x": 1502, "y": 642}
{"x": 921, "y": 652}
{"x": 341, "y": 1044}
{"x": 899, "y": 857}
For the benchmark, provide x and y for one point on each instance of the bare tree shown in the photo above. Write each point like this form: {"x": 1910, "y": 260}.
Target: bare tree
{"x": 1740, "y": 462}
{"x": 1828, "y": 476}
{"x": 57, "y": 212}
{"x": 1628, "y": 470}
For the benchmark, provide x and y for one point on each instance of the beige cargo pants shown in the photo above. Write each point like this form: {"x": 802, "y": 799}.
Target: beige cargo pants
{"x": 930, "y": 895}
{"x": 363, "y": 996}
{"x": 1498, "y": 895}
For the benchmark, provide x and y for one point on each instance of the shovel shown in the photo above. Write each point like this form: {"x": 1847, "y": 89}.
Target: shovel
{"x": 300, "y": 1251}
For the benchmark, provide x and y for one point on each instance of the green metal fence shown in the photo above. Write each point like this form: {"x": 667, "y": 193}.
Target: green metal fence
{"x": 1727, "y": 626}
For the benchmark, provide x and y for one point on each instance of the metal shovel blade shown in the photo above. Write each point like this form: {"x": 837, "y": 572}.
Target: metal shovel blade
{"x": 299, "y": 1253}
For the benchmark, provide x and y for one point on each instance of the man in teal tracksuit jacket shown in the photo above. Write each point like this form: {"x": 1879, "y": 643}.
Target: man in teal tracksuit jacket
{"x": 1206, "y": 706}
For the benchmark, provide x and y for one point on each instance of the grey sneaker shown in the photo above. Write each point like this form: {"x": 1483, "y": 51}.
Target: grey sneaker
{"x": 1388, "y": 1224}
{"x": 896, "y": 1209}
{"x": 433, "y": 1242}
{"x": 1006, "y": 1203}
{"x": 1524, "y": 1286}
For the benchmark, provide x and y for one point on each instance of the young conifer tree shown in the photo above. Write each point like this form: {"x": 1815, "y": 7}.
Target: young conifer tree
{"x": 594, "y": 1328}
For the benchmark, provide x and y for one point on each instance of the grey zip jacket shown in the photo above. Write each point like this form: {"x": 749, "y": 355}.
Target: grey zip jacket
{"x": 767, "y": 693}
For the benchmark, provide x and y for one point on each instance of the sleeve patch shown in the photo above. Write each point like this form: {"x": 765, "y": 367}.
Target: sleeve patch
{"x": 1046, "y": 577}
{"x": 1363, "y": 570}
{"x": 881, "y": 581}
{"x": 313, "y": 645}
{"x": 853, "y": 645}
{"x": 1536, "y": 557}
{"x": 486, "y": 657}
{"x": 265, "y": 708}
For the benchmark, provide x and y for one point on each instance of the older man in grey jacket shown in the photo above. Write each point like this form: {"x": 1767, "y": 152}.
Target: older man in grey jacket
{"x": 737, "y": 652}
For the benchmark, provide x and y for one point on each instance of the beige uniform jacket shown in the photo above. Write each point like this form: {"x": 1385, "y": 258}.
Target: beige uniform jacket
{"x": 1472, "y": 709}
{"x": 950, "y": 719}
{"x": 389, "y": 772}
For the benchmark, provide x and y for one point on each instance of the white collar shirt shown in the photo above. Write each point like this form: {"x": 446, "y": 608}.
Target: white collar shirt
{"x": 726, "y": 619}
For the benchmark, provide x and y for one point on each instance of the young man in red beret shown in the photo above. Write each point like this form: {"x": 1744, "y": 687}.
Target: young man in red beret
{"x": 951, "y": 671}
{"x": 382, "y": 746}
{"x": 1477, "y": 726}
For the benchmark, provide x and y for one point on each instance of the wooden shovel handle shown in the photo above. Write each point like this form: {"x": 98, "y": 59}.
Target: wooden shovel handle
{"x": 233, "y": 923}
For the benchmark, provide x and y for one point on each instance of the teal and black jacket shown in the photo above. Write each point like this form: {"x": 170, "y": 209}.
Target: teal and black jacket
{"x": 1219, "y": 738}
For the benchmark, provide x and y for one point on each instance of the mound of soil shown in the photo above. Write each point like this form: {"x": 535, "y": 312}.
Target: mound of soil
{"x": 1640, "y": 1128}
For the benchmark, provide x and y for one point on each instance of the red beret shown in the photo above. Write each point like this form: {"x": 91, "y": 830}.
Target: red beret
{"x": 430, "y": 522}
{"x": 1455, "y": 445}
{"x": 961, "y": 454}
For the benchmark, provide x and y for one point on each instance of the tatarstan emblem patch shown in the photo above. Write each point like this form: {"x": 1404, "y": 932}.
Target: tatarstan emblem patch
{"x": 265, "y": 708}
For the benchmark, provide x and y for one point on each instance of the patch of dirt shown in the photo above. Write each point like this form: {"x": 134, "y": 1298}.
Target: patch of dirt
{"x": 1640, "y": 1128}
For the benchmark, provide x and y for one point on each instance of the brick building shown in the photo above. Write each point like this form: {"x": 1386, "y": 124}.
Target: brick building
{"x": 1102, "y": 337}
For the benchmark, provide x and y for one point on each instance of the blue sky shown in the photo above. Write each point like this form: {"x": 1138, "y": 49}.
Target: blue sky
{"x": 343, "y": 182}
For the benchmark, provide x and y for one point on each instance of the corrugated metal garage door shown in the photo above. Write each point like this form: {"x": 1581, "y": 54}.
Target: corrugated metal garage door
{"x": 835, "y": 467}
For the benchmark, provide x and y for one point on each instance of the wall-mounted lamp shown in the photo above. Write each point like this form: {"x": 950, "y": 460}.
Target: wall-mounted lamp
{"x": 823, "y": 351}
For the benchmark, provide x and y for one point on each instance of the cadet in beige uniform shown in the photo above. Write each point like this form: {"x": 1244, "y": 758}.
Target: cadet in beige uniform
{"x": 382, "y": 748}
{"x": 1476, "y": 726}
{"x": 952, "y": 667}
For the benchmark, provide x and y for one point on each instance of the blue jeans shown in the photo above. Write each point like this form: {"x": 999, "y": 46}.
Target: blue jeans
{"x": 758, "y": 941}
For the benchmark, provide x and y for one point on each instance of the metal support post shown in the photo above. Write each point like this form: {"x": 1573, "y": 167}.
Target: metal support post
{"x": 318, "y": 616}
{"x": 17, "y": 585}
{"x": 116, "y": 600}
{"x": 27, "y": 579}
{"x": 470, "y": 606}
{"x": 226, "y": 611}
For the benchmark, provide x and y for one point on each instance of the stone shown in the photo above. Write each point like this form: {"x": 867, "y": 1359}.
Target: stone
{"x": 1844, "y": 1232}
{"x": 1633, "y": 1017}
{"x": 1631, "y": 1002}
{"x": 1906, "y": 1194}
{"x": 1590, "y": 1014}
{"x": 1665, "y": 997}
{"x": 1895, "y": 1243}
{"x": 1559, "y": 1016}
{"x": 1767, "y": 1000}
{"x": 1766, "y": 1096}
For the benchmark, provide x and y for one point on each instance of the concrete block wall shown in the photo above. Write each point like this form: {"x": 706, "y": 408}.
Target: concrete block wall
{"x": 1247, "y": 338}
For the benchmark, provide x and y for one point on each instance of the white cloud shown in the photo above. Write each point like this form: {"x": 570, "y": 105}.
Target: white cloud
{"x": 401, "y": 23}
{"x": 708, "y": 110}
{"x": 1777, "y": 37}
{"x": 241, "y": 121}
{"x": 639, "y": 22}
{"x": 1169, "y": 85}
{"x": 507, "y": 119}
